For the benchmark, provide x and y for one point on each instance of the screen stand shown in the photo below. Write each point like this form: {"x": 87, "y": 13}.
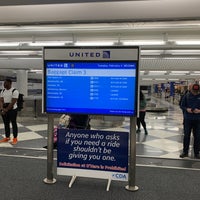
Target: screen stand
{"x": 108, "y": 184}
{"x": 132, "y": 160}
{"x": 72, "y": 181}
{"x": 50, "y": 179}
{"x": 74, "y": 178}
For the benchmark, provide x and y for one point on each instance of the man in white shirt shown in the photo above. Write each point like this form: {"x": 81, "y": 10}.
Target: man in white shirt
{"x": 8, "y": 108}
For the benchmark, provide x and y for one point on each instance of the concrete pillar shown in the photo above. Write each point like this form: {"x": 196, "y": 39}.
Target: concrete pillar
{"x": 22, "y": 82}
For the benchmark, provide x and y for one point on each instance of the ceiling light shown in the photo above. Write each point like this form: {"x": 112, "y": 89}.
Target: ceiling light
{"x": 52, "y": 43}
{"x": 37, "y": 71}
{"x": 184, "y": 52}
{"x": 160, "y": 79}
{"x": 157, "y": 72}
{"x": 94, "y": 43}
{"x": 173, "y": 79}
{"x": 144, "y": 42}
{"x": 188, "y": 42}
{"x": 21, "y": 53}
{"x": 25, "y": 58}
{"x": 179, "y": 72}
{"x": 180, "y": 57}
{"x": 147, "y": 79}
{"x": 150, "y": 52}
{"x": 192, "y": 74}
{"x": 9, "y": 44}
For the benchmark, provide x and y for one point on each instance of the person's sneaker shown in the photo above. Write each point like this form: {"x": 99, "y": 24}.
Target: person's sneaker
{"x": 183, "y": 155}
{"x": 5, "y": 139}
{"x": 14, "y": 141}
{"x": 197, "y": 156}
{"x": 146, "y": 132}
{"x": 138, "y": 131}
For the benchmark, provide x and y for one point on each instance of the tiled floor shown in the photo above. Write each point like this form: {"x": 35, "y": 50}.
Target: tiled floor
{"x": 163, "y": 141}
{"x": 165, "y": 132}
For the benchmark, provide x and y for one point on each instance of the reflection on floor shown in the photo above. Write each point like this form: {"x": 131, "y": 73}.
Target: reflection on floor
{"x": 164, "y": 140}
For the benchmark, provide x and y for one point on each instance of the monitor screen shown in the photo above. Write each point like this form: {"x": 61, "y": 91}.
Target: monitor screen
{"x": 94, "y": 87}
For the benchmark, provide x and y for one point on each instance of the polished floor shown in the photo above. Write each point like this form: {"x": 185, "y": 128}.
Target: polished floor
{"x": 161, "y": 147}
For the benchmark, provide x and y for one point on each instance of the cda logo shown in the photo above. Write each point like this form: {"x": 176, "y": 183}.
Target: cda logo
{"x": 120, "y": 176}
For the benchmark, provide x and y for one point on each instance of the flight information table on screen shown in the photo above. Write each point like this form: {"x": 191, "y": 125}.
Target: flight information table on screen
{"x": 91, "y": 87}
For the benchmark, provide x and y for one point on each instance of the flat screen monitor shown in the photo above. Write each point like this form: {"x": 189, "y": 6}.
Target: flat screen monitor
{"x": 94, "y": 87}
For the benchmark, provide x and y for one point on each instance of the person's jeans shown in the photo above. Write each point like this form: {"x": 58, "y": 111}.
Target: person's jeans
{"x": 10, "y": 116}
{"x": 141, "y": 120}
{"x": 189, "y": 126}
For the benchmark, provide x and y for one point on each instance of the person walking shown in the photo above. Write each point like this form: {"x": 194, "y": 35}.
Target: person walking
{"x": 8, "y": 108}
{"x": 142, "y": 113}
{"x": 190, "y": 105}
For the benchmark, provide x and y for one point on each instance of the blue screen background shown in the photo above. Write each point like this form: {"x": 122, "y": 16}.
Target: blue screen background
{"x": 105, "y": 88}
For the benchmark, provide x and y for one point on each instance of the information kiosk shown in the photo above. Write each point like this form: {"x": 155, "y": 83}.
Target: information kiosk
{"x": 92, "y": 81}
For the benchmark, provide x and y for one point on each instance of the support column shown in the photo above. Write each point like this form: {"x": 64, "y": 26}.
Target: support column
{"x": 132, "y": 159}
{"x": 22, "y": 82}
{"x": 50, "y": 175}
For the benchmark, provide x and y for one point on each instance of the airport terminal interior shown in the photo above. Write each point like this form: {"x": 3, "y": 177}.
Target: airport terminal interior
{"x": 169, "y": 42}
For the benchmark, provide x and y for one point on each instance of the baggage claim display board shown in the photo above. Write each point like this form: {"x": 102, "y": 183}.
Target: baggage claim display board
{"x": 93, "y": 81}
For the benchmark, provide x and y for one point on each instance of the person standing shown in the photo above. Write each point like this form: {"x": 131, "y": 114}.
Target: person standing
{"x": 8, "y": 108}
{"x": 190, "y": 105}
{"x": 142, "y": 113}
{"x": 181, "y": 97}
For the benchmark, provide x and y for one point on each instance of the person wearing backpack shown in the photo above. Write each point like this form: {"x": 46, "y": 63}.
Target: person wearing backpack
{"x": 8, "y": 108}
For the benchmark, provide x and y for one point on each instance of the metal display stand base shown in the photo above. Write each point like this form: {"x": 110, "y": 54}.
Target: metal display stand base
{"x": 132, "y": 188}
{"x": 47, "y": 181}
{"x": 74, "y": 178}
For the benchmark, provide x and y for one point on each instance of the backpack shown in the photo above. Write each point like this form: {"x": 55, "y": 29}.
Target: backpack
{"x": 182, "y": 96}
{"x": 20, "y": 100}
{"x": 78, "y": 121}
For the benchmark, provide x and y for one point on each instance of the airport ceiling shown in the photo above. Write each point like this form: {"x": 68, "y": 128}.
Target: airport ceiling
{"x": 168, "y": 32}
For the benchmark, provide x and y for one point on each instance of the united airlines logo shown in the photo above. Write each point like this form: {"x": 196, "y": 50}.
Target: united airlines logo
{"x": 103, "y": 54}
{"x": 106, "y": 54}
